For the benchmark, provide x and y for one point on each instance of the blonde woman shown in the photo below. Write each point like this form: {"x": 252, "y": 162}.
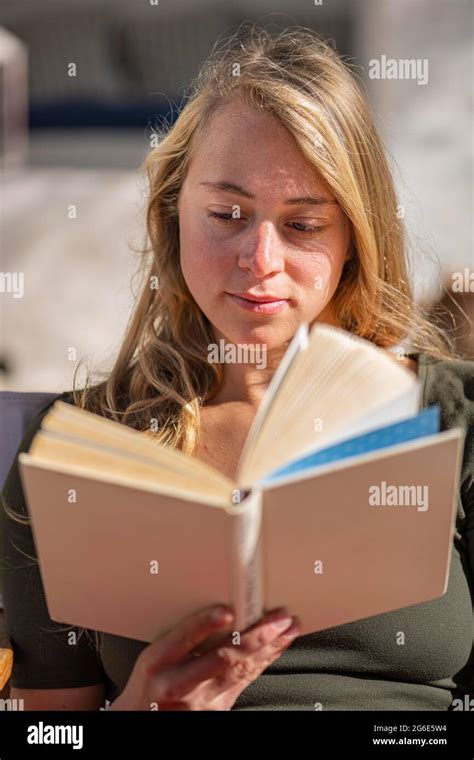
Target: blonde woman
{"x": 272, "y": 180}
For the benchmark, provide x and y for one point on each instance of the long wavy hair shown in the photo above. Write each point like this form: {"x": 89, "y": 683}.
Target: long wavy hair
{"x": 162, "y": 368}
{"x": 162, "y": 371}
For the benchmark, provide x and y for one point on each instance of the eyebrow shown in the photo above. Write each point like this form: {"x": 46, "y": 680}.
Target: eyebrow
{"x": 229, "y": 187}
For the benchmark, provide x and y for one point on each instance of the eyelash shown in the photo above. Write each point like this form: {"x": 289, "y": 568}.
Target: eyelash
{"x": 222, "y": 218}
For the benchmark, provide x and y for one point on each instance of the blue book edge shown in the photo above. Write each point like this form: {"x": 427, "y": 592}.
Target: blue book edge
{"x": 426, "y": 422}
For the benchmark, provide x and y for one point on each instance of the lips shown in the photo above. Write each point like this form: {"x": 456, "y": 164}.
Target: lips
{"x": 258, "y": 298}
{"x": 261, "y": 304}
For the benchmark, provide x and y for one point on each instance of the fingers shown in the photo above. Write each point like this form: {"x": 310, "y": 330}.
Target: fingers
{"x": 173, "y": 646}
{"x": 229, "y": 665}
{"x": 258, "y": 648}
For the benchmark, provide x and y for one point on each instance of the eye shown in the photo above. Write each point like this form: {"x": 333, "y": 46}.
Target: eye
{"x": 306, "y": 228}
{"x": 225, "y": 217}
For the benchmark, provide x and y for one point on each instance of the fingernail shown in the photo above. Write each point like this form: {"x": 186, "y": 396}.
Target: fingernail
{"x": 294, "y": 630}
{"x": 292, "y": 633}
{"x": 283, "y": 624}
{"x": 221, "y": 614}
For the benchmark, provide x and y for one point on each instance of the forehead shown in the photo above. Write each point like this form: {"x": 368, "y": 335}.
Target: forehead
{"x": 253, "y": 149}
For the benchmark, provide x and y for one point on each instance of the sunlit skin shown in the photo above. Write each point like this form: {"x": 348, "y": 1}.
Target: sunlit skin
{"x": 292, "y": 249}
{"x": 295, "y": 251}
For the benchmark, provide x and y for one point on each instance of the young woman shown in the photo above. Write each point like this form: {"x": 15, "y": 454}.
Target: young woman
{"x": 271, "y": 203}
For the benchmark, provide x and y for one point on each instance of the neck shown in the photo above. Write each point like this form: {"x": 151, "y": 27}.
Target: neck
{"x": 246, "y": 380}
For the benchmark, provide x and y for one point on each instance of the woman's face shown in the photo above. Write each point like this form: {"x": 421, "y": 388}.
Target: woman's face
{"x": 282, "y": 235}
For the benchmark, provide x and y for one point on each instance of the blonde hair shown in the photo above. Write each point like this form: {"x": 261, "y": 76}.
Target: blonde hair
{"x": 162, "y": 369}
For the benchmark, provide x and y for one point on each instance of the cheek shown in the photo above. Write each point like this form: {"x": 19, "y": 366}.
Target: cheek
{"x": 318, "y": 273}
{"x": 202, "y": 259}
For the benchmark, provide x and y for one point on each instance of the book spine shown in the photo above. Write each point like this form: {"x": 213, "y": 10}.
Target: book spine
{"x": 247, "y": 567}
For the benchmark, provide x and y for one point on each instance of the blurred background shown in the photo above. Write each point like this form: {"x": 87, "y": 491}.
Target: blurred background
{"x": 83, "y": 83}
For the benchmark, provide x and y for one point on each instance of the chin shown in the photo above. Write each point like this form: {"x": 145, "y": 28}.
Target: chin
{"x": 269, "y": 335}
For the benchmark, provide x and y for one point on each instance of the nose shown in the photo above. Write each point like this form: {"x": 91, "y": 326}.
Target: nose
{"x": 263, "y": 255}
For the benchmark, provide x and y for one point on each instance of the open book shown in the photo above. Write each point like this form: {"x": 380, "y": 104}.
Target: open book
{"x": 343, "y": 506}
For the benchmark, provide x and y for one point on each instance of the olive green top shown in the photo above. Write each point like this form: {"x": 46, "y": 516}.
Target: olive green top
{"x": 360, "y": 666}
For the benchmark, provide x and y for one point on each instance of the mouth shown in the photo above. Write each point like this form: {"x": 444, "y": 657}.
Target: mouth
{"x": 264, "y": 304}
{"x": 267, "y": 298}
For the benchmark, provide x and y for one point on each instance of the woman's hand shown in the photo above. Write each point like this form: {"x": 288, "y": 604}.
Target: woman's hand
{"x": 169, "y": 676}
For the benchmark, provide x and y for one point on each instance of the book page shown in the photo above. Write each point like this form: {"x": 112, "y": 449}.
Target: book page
{"x": 298, "y": 344}
{"x": 424, "y": 424}
{"x": 67, "y": 420}
{"x": 100, "y": 461}
{"x": 340, "y": 385}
